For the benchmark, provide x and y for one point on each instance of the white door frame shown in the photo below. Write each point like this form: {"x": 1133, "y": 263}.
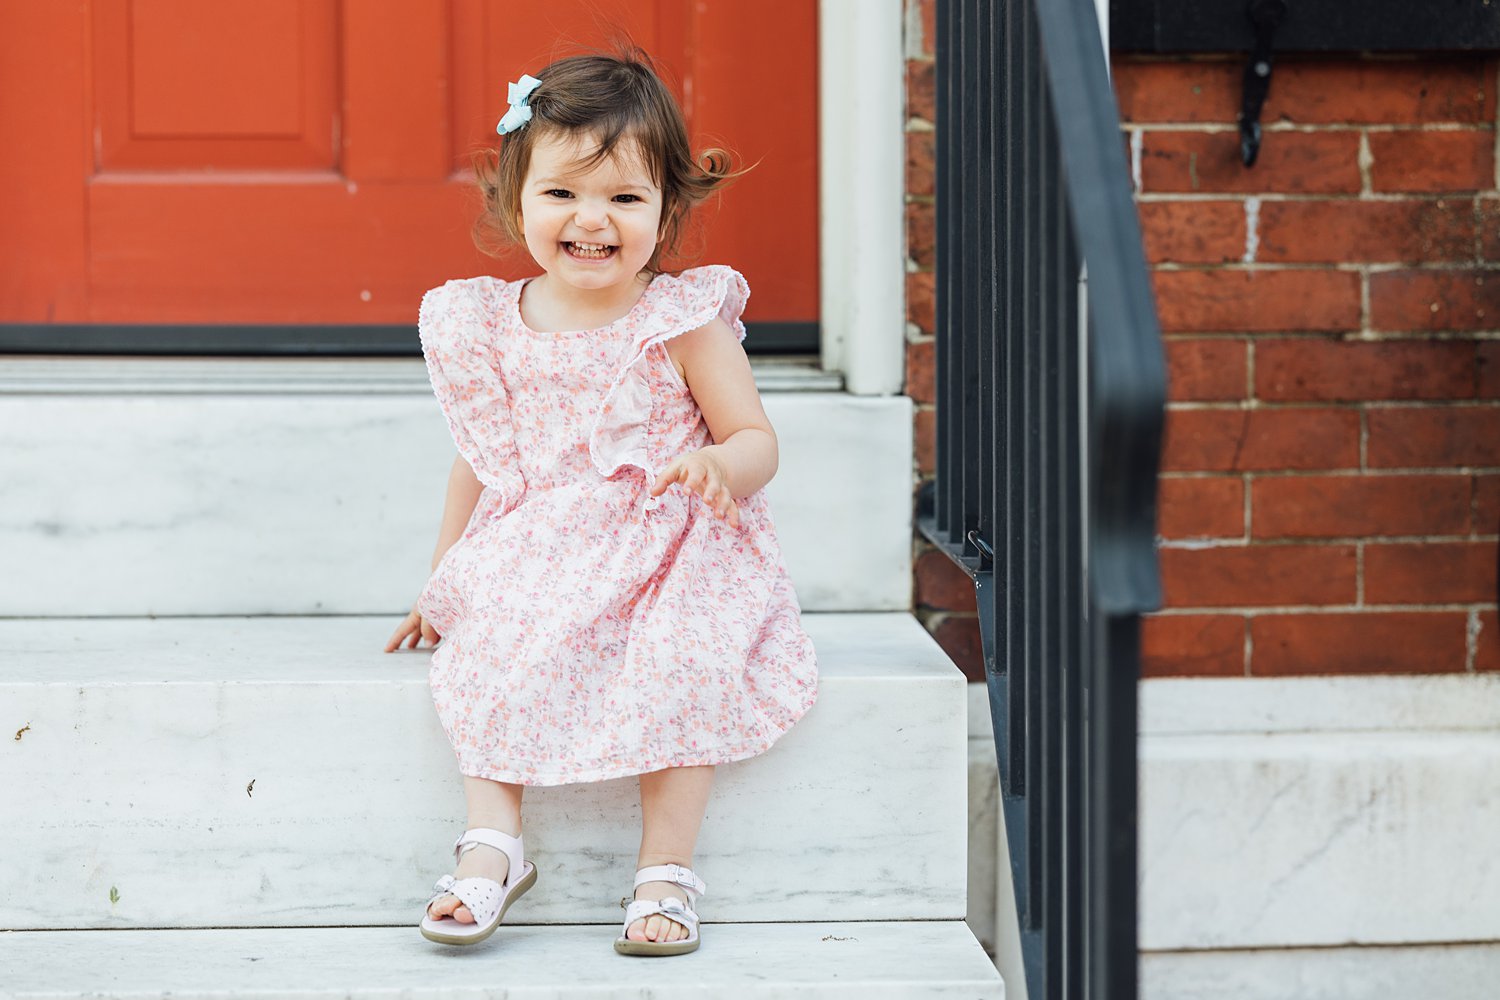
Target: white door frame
{"x": 862, "y": 190}
{"x": 861, "y": 173}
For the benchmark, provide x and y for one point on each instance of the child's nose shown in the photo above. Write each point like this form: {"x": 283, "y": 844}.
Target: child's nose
{"x": 590, "y": 216}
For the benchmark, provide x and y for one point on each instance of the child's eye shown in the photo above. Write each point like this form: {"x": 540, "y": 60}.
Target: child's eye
{"x": 559, "y": 193}
{"x": 627, "y": 197}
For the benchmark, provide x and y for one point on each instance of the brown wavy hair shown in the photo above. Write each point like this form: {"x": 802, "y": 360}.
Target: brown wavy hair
{"x": 610, "y": 98}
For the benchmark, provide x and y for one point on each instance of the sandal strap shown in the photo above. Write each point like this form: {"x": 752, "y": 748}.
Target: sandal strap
{"x": 671, "y": 907}
{"x": 678, "y": 874}
{"x": 511, "y": 846}
{"x": 481, "y": 895}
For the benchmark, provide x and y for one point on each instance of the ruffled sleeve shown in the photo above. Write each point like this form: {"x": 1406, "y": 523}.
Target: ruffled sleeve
{"x": 457, "y": 334}
{"x": 678, "y": 304}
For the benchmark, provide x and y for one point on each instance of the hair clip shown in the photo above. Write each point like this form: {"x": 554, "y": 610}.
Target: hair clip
{"x": 520, "y": 111}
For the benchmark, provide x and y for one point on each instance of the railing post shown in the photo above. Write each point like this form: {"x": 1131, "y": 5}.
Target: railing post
{"x": 1050, "y": 397}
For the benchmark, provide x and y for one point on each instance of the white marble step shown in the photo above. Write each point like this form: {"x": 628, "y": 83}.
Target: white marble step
{"x": 216, "y": 487}
{"x": 770, "y": 961}
{"x": 206, "y": 772}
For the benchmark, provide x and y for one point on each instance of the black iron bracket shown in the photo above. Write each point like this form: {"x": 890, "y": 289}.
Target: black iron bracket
{"x": 1266, "y": 16}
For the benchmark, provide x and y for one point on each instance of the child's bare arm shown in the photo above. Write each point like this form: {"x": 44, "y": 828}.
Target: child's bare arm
{"x": 745, "y": 453}
{"x": 718, "y": 375}
{"x": 463, "y": 493}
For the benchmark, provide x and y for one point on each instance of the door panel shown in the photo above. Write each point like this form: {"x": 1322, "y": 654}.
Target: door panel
{"x": 307, "y": 161}
{"x": 171, "y": 95}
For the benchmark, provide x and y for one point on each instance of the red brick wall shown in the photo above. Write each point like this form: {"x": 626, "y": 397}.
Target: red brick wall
{"x": 1330, "y": 494}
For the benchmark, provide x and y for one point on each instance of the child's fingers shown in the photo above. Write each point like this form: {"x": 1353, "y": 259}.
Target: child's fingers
{"x": 717, "y": 498}
{"x": 408, "y": 633}
{"x": 673, "y": 473}
{"x": 419, "y": 630}
{"x": 397, "y": 637}
{"x": 695, "y": 479}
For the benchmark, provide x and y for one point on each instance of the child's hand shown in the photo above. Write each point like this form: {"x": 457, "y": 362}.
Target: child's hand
{"x": 415, "y": 627}
{"x": 703, "y": 473}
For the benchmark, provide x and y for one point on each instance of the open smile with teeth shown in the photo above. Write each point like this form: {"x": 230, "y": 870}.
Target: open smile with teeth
{"x": 589, "y": 251}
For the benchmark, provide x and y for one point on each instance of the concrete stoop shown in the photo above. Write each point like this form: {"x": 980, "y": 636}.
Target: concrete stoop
{"x": 878, "y": 960}
{"x": 231, "y": 806}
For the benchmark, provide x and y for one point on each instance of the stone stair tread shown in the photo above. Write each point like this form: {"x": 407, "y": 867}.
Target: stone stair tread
{"x": 870, "y": 960}
{"x": 340, "y": 648}
{"x": 253, "y": 751}
{"x": 237, "y": 503}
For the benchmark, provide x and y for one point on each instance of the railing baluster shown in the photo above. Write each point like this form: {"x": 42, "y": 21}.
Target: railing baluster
{"x": 1049, "y": 503}
{"x": 985, "y": 250}
{"x": 969, "y": 330}
{"x": 1050, "y": 399}
{"x": 945, "y": 280}
{"x": 1009, "y": 628}
{"x": 1036, "y": 762}
{"x": 1070, "y": 590}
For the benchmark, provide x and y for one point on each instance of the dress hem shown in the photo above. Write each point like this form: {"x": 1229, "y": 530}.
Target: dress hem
{"x": 628, "y": 770}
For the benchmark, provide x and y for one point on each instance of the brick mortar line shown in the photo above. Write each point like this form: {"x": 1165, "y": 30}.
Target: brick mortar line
{"x": 1380, "y": 472}
{"x": 1365, "y": 160}
{"x": 1135, "y": 162}
{"x": 1162, "y": 194}
{"x": 1364, "y": 298}
{"x": 1484, "y": 267}
{"x": 1349, "y": 336}
{"x": 1248, "y": 488}
{"x": 1253, "y": 405}
{"x": 1300, "y": 128}
{"x": 1250, "y": 362}
{"x": 1341, "y": 197}
{"x": 1218, "y": 544}
{"x": 1290, "y": 58}
{"x": 1279, "y": 610}
{"x": 1251, "y": 478}
{"x": 1359, "y": 574}
{"x": 1206, "y": 543}
{"x": 1249, "y": 649}
{"x": 1364, "y": 438}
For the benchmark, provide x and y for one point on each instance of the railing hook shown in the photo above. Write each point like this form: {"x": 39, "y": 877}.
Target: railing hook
{"x": 1266, "y": 15}
{"x": 980, "y": 544}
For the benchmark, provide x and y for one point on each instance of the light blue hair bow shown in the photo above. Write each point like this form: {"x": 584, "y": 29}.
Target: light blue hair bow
{"x": 520, "y": 111}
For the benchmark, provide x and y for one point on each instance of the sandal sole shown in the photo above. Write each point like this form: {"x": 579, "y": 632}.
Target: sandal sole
{"x": 625, "y": 946}
{"x": 517, "y": 891}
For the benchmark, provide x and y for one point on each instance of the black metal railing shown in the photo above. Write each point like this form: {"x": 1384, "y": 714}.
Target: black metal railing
{"x": 1050, "y": 396}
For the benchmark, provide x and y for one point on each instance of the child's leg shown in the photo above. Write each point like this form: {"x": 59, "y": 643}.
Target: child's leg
{"x": 493, "y": 804}
{"x": 673, "y": 801}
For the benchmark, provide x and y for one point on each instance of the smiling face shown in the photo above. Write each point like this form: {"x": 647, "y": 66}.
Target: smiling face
{"x": 593, "y": 227}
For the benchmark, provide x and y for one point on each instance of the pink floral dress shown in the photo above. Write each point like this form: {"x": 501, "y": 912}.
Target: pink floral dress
{"x": 590, "y": 630}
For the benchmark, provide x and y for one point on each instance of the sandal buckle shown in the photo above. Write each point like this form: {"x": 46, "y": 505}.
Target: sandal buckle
{"x": 684, "y": 877}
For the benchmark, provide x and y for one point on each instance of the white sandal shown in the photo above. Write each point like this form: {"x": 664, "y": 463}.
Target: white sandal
{"x": 670, "y": 907}
{"x": 486, "y": 899}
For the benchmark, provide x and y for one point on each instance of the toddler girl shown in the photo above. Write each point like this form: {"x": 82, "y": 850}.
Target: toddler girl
{"x": 608, "y": 584}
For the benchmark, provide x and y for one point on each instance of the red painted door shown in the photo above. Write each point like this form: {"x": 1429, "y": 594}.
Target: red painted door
{"x": 306, "y": 161}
